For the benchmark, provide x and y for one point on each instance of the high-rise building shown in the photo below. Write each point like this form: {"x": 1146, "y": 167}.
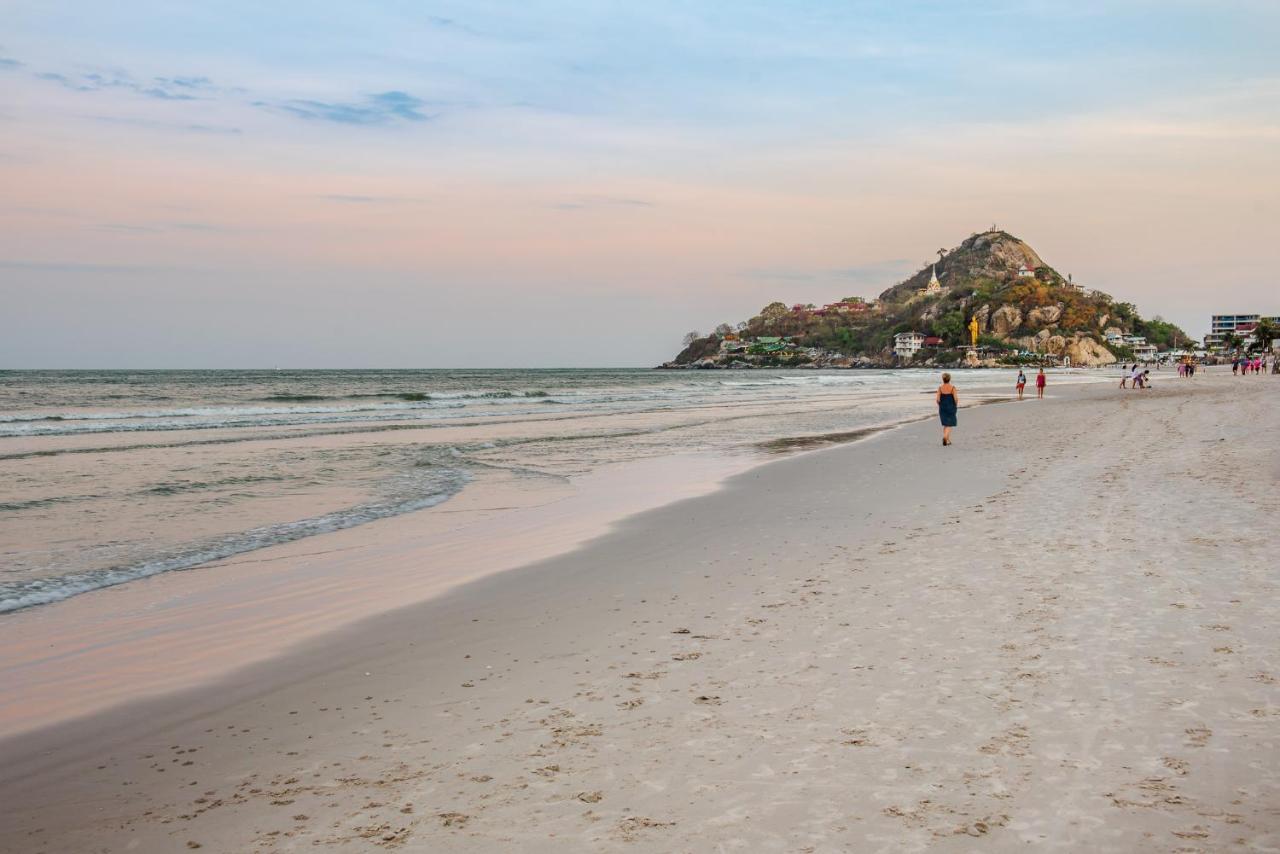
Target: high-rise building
{"x": 1222, "y": 325}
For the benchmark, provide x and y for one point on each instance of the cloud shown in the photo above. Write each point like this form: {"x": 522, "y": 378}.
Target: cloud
{"x": 876, "y": 271}
{"x": 377, "y": 109}
{"x": 352, "y": 199}
{"x": 76, "y": 267}
{"x": 156, "y": 92}
{"x": 156, "y": 125}
{"x": 64, "y": 80}
{"x": 597, "y": 202}
{"x": 186, "y": 82}
{"x": 160, "y": 88}
{"x": 872, "y": 273}
{"x": 159, "y": 227}
{"x": 7, "y": 64}
{"x": 126, "y": 228}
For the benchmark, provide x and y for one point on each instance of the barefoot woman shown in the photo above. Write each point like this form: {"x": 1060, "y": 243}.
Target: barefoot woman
{"x": 947, "y": 402}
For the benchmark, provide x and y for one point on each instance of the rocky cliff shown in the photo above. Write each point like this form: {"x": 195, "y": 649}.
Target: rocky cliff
{"x": 1021, "y": 304}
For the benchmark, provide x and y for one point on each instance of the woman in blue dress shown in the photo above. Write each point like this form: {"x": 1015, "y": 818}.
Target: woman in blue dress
{"x": 947, "y": 403}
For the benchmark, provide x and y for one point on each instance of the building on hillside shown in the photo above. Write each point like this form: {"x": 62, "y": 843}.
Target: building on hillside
{"x": 1144, "y": 352}
{"x": 932, "y": 341}
{"x": 907, "y": 344}
{"x": 1223, "y": 325}
{"x": 770, "y": 344}
{"x": 1025, "y": 272}
{"x": 846, "y": 307}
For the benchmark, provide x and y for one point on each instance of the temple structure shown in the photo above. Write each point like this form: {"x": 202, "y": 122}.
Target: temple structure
{"x": 934, "y": 285}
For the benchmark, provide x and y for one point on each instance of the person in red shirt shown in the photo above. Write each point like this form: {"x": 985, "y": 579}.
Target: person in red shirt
{"x": 1040, "y": 380}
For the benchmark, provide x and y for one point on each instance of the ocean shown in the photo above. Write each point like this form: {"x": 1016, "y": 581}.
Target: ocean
{"x": 113, "y": 476}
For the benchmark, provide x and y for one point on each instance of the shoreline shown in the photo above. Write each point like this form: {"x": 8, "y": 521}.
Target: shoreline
{"x": 574, "y": 623}
{"x": 160, "y": 628}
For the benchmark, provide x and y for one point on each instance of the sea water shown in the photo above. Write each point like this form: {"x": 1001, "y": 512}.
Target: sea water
{"x": 108, "y": 477}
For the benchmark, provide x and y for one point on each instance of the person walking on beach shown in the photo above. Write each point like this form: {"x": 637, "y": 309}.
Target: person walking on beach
{"x": 947, "y": 403}
{"x": 1040, "y": 381}
{"x": 1022, "y": 382}
{"x": 1124, "y": 375}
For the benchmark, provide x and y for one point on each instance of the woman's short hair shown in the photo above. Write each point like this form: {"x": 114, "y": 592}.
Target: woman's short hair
{"x": 946, "y": 378}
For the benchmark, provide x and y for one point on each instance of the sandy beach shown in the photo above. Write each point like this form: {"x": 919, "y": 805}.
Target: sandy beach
{"x": 1057, "y": 634}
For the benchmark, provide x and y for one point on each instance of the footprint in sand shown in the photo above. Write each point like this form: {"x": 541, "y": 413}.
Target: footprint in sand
{"x": 453, "y": 819}
{"x": 1198, "y": 736}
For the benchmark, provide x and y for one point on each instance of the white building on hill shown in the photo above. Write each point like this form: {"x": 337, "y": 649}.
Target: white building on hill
{"x": 907, "y": 344}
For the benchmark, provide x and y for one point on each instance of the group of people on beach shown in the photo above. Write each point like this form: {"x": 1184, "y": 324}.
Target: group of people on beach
{"x": 949, "y": 400}
{"x": 1256, "y": 365}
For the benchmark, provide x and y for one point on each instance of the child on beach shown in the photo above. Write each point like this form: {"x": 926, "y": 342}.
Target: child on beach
{"x": 1022, "y": 382}
{"x": 1124, "y": 375}
{"x": 1040, "y": 381}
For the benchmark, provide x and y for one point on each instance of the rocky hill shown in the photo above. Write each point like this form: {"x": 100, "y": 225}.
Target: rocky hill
{"x": 1025, "y": 309}
{"x": 988, "y": 257}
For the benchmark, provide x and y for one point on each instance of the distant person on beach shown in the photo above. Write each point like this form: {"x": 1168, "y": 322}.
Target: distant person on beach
{"x": 1124, "y": 375}
{"x": 1040, "y": 381}
{"x": 947, "y": 403}
{"x": 1022, "y": 382}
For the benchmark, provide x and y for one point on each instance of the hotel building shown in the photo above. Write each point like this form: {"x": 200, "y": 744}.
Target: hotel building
{"x": 1222, "y": 325}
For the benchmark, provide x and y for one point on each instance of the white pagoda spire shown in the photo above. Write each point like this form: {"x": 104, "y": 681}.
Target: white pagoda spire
{"x": 934, "y": 284}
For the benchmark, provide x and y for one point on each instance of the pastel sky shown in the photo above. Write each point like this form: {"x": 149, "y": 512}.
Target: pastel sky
{"x": 564, "y": 183}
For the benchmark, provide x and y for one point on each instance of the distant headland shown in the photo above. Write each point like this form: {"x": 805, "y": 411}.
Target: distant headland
{"x": 991, "y": 300}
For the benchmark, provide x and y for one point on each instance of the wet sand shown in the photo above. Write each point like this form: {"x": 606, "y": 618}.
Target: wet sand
{"x": 1056, "y": 634}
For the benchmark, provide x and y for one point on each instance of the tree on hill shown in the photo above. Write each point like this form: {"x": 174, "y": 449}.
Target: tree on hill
{"x": 1264, "y": 333}
{"x": 1161, "y": 333}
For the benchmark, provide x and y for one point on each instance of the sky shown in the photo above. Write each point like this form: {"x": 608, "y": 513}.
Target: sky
{"x": 569, "y": 183}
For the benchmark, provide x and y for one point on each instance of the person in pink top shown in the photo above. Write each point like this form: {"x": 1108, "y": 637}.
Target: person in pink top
{"x": 1040, "y": 380}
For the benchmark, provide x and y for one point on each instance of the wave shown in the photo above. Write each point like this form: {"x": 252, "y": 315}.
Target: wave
{"x": 296, "y": 398}
{"x": 181, "y": 486}
{"x": 395, "y": 401}
{"x": 432, "y": 485}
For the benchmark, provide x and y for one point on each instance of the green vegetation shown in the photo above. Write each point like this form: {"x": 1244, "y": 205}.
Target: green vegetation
{"x": 1160, "y": 332}
{"x": 1264, "y": 333}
